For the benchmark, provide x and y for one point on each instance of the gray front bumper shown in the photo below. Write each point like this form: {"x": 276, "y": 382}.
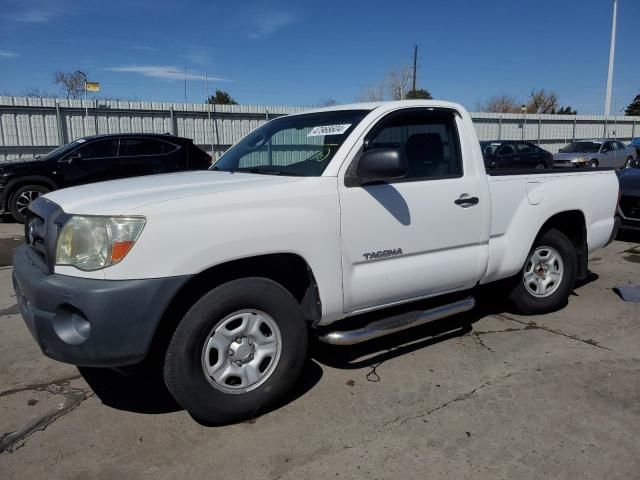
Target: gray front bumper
{"x": 100, "y": 323}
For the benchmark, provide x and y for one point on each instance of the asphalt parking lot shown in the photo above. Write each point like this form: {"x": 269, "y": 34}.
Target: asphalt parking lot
{"x": 490, "y": 395}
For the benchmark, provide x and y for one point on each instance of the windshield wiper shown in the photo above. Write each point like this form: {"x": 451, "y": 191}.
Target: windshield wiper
{"x": 265, "y": 171}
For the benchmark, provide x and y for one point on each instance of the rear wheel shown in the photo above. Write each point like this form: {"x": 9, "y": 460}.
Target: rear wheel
{"x": 547, "y": 276}
{"x": 237, "y": 351}
{"x": 22, "y": 198}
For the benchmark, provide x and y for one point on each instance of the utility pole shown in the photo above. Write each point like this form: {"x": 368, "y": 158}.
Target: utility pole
{"x": 185, "y": 84}
{"x": 612, "y": 50}
{"x": 206, "y": 87}
{"x": 415, "y": 65}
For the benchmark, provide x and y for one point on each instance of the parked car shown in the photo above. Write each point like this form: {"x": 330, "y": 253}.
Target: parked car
{"x": 629, "y": 205}
{"x": 595, "y": 153}
{"x": 306, "y": 224}
{"x": 93, "y": 159}
{"x": 514, "y": 154}
{"x": 635, "y": 144}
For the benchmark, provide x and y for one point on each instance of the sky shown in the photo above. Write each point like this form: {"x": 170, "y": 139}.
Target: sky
{"x": 302, "y": 52}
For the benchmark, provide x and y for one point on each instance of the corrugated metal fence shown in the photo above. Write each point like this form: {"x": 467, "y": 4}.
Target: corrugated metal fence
{"x": 34, "y": 126}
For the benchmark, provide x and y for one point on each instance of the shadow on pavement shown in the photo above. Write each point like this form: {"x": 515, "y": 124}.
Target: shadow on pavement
{"x": 631, "y": 236}
{"x": 144, "y": 390}
{"x": 138, "y": 392}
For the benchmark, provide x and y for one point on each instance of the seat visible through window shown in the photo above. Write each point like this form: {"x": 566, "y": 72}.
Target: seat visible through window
{"x": 425, "y": 155}
{"x": 428, "y": 139}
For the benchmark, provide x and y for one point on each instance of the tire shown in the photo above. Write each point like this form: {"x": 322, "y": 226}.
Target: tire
{"x": 555, "y": 294}
{"x": 628, "y": 163}
{"x": 592, "y": 164}
{"x": 22, "y": 198}
{"x": 189, "y": 361}
{"x": 541, "y": 166}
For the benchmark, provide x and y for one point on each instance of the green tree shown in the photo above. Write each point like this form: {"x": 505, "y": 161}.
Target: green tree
{"x": 221, "y": 98}
{"x": 634, "y": 107}
{"x": 419, "y": 94}
{"x": 566, "y": 111}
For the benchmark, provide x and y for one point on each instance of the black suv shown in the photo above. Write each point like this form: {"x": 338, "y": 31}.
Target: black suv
{"x": 499, "y": 154}
{"x": 93, "y": 159}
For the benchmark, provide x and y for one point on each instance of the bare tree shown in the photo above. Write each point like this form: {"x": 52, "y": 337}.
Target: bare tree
{"x": 37, "y": 93}
{"x": 541, "y": 101}
{"x": 399, "y": 82}
{"x": 503, "y": 103}
{"x": 372, "y": 94}
{"x": 72, "y": 83}
{"x": 327, "y": 102}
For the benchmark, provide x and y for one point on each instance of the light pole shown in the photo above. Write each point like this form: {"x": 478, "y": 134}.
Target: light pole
{"x": 524, "y": 113}
{"x": 612, "y": 50}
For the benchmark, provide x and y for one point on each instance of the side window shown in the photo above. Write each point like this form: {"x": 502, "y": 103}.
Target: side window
{"x": 428, "y": 139}
{"x": 135, "y": 147}
{"x": 525, "y": 148}
{"x": 98, "y": 149}
{"x": 607, "y": 147}
{"x": 505, "y": 149}
{"x": 619, "y": 146}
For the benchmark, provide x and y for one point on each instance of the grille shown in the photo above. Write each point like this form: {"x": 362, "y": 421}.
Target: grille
{"x": 630, "y": 207}
{"x": 41, "y": 231}
{"x": 34, "y": 233}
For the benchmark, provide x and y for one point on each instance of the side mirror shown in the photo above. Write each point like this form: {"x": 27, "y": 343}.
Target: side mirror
{"x": 71, "y": 158}
{"x": 382, "y": 164}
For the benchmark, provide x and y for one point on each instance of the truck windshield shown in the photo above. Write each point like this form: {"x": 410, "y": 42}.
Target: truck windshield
{"x": 299, "y": 145}
{"x": 581, "y": 147}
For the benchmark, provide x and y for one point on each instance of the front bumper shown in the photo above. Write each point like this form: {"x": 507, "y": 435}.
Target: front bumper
{"x": 87, "y": 322}
{"x": 568, "y": 164}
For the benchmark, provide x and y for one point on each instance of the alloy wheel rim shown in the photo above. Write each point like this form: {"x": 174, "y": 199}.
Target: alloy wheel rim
{"x": 543, "y": 272}
{"x": 25, "y": 199}
{"x": 242, "y": 351}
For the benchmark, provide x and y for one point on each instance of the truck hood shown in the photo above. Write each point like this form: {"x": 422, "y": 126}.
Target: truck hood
{"x": 118, "y": 197}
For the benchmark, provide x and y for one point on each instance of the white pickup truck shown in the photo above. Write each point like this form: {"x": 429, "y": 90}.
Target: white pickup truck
{"x": 307, "y": 223}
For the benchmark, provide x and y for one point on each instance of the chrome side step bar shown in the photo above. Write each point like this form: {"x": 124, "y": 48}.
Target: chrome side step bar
{"x": 396, "y": 323}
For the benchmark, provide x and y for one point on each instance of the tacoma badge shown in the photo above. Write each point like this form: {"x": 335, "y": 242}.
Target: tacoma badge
{"x": 382, "y": 254}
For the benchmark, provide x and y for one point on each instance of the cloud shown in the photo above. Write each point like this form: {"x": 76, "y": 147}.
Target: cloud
{"x": 8, "y": 54}
{"x": 269, "y": 23}
{"x": 166, "y": 72}
{"x": 30, "y": 16}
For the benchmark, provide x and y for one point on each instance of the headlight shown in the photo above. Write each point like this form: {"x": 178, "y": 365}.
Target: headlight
{"x": 579, "y": 160}
{"x": 92, "y": 243}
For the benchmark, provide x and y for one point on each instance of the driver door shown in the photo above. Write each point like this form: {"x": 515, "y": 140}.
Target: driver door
{"x": 417, "y": 236}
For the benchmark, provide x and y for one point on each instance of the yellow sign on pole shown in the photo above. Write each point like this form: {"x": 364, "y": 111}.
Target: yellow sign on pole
{"x": 92, "y": 86}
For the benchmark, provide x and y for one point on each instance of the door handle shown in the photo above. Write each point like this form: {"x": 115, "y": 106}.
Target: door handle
{"x": 465, "y": 201}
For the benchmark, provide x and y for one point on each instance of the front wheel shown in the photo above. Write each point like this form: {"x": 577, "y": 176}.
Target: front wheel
{"x": 593, "y": 164}
{"x": 548, "y": 275}
{"x": 629, "y": 162}
{"x": 22, "y": 198}
{"x": 237, "y": 351}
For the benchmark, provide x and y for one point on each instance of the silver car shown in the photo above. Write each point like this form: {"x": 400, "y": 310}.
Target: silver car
{"x": 595, "y": 153}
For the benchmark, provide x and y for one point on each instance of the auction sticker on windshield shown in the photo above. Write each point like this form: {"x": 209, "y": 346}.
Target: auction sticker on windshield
{"x": 329, "y": 130}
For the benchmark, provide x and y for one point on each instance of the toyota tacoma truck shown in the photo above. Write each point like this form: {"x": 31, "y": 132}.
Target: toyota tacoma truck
{"x": 302, "y": 228}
